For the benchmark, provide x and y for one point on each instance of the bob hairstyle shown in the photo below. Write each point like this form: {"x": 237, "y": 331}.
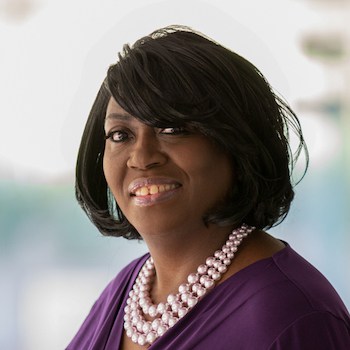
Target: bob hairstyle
{"x": 177, "y": 77}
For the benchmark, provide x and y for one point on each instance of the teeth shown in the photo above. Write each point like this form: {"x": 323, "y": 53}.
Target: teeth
{"x": 144, "y": 191}
{"x": 153, "y": 189}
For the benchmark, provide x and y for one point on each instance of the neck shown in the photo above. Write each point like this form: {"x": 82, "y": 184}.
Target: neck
{"x": 176, "y": 255}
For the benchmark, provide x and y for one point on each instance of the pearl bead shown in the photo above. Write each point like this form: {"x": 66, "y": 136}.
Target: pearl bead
{"x": 155, "y": 324}
{"x": 201, "y": 291}
{"x": 127, "y": 309}
{"x": 210, "y": 261}
{"x": 142, "y": 302}
{"x": 134, "y": 337}
{"x": 192, "y": 301}
{"x": 139, "y": 326}
{"x": 227, "y": 261}
{"x": 171, "y": 298}
{"x": 216, "y": 263}
{"x": 202, "y": 269}
{"x": 185, "y": 296}
{"x": 208, "y": 283}
{"x": 216, "y": 276}
{"x": 182, "y": 312}
{"x": 172, "y": 321}
{"x": 141, "y": 340}
{"x": 161, "y": 330}
{"x": 203, "y": 279}
{"x": 225, "y": 249}
{"x": 151, "y": 337}
{"x": 134, "y": 320}
{"x": 149, "y": 273}
{"x": 183, "y": 288}
{"x": 211, "y": 271}
{"x": 134, "y": 313}
{"x": 217, "y": 253}
{"x": 195, "y": 287}
{"x": 230, "y": 255}
{"x": 143, "y": 294}
{"x": 222, "y": 268}
{"x": 175, "y": 306}
{"x": 144, "y": 287}
{"x": 145, "y": 280}
{"x": 165, "y": 317}
{"x": 192, "y": 278}
{"x": 222, "y": 256}
{"x": 152, "y": 311}
{"x": 161, "y": 308}
{"x": 232, "y": 237}
{"x": 146, "y": 327}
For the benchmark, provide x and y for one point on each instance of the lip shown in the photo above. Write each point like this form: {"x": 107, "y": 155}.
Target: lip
{"x": 150, "y": 199}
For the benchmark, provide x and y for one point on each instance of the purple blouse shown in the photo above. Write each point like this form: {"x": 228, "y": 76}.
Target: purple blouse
{"x": 276, "y": 303}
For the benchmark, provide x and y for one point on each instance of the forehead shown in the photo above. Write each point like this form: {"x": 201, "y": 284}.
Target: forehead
{"x": 115, "y": 111}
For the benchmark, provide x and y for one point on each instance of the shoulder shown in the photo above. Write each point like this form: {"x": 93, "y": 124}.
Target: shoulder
{"x": 312, "y": 286}
{"x": 102, "y": 316}
{"x": 305, "y": 309}
{"x": 292, "y": 284}
{"x": 316, "y": 330}
{"x": 278, "y": 296}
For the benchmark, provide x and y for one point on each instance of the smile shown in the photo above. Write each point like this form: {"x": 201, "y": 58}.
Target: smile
{"x": 149, "y": 191}
{"x": 153, "y": 189}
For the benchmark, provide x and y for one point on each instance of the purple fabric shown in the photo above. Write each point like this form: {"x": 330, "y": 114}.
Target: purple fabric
{"x": 277, "y": 303}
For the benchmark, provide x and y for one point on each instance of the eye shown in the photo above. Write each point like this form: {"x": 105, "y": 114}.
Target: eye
{"x": 117, "y": 136}
{"x": 173, "y": 131}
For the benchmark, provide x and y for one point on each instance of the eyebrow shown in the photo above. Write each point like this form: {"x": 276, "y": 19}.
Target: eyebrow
{"x": 118, "y": 116}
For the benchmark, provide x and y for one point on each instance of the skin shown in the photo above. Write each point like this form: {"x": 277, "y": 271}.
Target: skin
{"x": 171, "y": 223}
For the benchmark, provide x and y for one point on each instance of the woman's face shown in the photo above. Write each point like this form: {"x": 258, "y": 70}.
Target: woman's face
{"x": 162, "y": 179}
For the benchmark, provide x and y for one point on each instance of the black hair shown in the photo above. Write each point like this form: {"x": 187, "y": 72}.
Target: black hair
{"x": 178, "y": 77}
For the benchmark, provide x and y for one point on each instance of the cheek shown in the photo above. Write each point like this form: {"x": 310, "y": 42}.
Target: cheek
{"x": 106, "y": 169}
{"x": 221, "y": 176}
{"x": 210, "y": 171}
{"x": 113, "y": 174}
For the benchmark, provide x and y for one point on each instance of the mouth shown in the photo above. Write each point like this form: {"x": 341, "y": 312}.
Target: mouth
{"x": 153, "y": 189}
{"x": 148, "y": 191}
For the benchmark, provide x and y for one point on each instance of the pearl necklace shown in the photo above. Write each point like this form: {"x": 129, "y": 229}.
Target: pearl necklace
{"x": 139, "y": 302}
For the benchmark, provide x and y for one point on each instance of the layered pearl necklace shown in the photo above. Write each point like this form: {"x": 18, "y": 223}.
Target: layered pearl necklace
{"x": 166, "y": 314}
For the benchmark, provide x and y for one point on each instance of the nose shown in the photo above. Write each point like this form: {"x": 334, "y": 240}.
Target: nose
{"x": 146, "y": 152}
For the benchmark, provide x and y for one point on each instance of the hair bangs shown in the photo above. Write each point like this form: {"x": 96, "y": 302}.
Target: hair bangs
{"x": 151, "y": 83}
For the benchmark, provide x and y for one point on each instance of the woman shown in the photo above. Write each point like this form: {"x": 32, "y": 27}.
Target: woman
{"x": 186, "y": 147}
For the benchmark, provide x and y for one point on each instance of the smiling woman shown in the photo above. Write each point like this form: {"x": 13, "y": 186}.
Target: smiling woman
{"x": 186, "y": 147}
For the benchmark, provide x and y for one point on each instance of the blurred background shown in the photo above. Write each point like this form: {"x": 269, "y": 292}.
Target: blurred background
{"x": 54, "y": 55}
